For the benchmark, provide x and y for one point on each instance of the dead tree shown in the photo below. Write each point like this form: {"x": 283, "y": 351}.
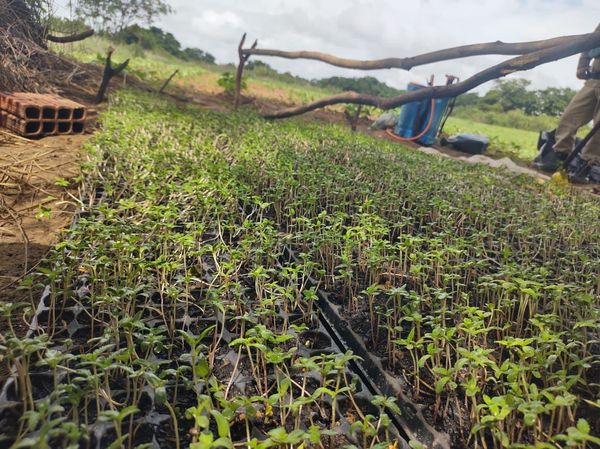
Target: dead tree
{"x": 167, "y": 81}
{"x": 489, "y": 48}
{"x": 566, "y": 47}
{"x": 240, "y": 69}
{"x": 109, "y": 73}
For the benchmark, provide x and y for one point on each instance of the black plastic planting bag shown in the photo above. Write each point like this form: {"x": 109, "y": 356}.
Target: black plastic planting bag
{"x": 467, "y": 143}
{"x": 545, "y": 145}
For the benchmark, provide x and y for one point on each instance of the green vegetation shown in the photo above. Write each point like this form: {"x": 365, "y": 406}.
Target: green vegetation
{"x": 154, "y": 65}
{"x": 367, "y": 85}
{"x": 512, "y": 119}
{"x": 514, "y": 142}
{"x": 514, "y": 95}
{"x": 154, "y": 38}
{"x": 176, "y": 313}
{"x": 150, "y": 65}
{"x": 263, "y": 70}
{"x": 114, "y": 16}
{"x": 227, "y": 82}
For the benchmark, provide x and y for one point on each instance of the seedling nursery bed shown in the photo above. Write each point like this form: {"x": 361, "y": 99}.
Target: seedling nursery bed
{"x": 239, "y": 283}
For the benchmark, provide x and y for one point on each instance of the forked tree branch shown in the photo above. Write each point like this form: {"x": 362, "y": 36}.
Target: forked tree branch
{"x": 489, "y": 48}
{"x": 108, "y": 74}
{"x": 571, "y": 46}
{"x": 243, "y": 58}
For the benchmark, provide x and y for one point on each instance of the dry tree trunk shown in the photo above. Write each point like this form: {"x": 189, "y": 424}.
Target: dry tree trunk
{"x": 109, "y": 73}
{"x": 240, "y": 70}
{"x": 567, "y": 47}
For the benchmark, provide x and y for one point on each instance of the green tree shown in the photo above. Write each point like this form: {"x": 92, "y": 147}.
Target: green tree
{"x": 512, "y": 94}
{"x": 113, "y": 16}
{"x": 151, "y": 38}
{"x": 469, "y": 99}
{"x": 367, "y": 85}
{"x": 553, "y": 100}
{"x": 195, "y": 54}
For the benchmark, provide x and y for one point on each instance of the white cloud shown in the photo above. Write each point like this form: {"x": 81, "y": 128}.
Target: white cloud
{"x": 214, "y": 20}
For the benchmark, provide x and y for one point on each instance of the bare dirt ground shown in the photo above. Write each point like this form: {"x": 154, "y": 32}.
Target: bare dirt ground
{"x": 33, "y": 207}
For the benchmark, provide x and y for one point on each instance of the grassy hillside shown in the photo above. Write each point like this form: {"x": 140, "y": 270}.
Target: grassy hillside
{"x": 155, "y": 66}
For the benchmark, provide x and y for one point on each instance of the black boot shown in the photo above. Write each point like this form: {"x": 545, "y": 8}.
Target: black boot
{"x": 594, "y": 175}
{"x": 586, "y": 174}
{"x": 576, "y": 164}
{"x": 579, "y": 173}
{"x": 550, "y": 161}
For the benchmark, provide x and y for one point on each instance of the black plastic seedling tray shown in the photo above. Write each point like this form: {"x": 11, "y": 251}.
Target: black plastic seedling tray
{"x": 70, "y": 321}
{"x": 411, "y": 424}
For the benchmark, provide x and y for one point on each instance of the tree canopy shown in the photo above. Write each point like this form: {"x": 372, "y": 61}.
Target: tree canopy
{"x": 515, "y": 95}
{"x": 367, "y": 85}
{"x": 113, "y": 16}
{"x": 153, "y": 38}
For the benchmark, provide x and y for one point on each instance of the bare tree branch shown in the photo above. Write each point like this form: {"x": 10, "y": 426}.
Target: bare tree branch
{"x": 489, "y": 48}
{"x": 528, "y": 61}
{"x": 70, "y": 38}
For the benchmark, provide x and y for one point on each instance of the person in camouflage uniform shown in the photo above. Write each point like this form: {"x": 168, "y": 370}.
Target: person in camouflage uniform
{"x": 583, "y": 108}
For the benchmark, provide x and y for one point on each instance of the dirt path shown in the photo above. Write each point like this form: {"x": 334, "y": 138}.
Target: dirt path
{"x": 37, "y": 179}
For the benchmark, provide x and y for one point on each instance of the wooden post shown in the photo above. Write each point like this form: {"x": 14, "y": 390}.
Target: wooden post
{"x": 109, "y": 73}
{"x": 168, "y": 80}
{"x": 243, "y": 58}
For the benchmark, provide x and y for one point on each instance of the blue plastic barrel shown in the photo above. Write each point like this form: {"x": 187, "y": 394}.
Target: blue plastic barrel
{"x": 438, "y": 114}
{"x": 407, "y": 122}
{"x": 414, "y": 117}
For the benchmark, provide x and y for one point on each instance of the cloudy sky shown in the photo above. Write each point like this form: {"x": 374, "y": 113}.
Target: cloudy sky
{"x": 372, "y": 29}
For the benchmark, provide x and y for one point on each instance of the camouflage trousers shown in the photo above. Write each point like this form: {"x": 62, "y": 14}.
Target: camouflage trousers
{"x": 583, "y": 108}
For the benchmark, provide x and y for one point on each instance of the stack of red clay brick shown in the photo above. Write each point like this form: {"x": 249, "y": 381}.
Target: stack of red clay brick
{"x": 36, "y": 115}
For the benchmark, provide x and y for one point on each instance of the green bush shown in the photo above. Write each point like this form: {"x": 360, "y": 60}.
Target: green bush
{"x": 367, "y": 85}
{"x": 510, "y": 119}
{"x": 227, "y": 82}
